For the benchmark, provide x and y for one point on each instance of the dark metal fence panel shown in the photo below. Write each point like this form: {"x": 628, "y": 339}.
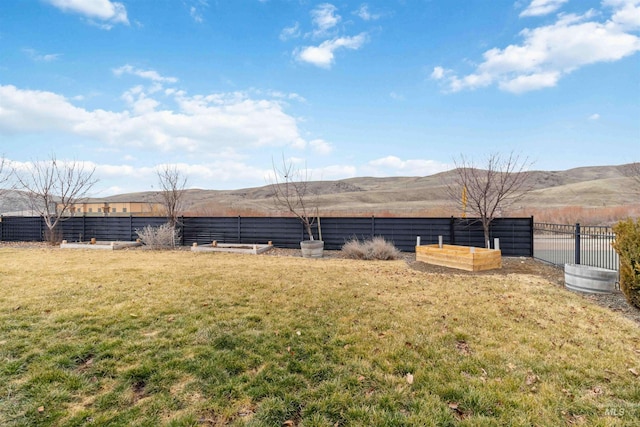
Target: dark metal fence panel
{"x": 22, "y": 229}
{"x": 283, "y": 232}
{"x": 337, "y": 231}
{"x": 468, "y": 232}
{"x": 515, "y": 234}
{"x": 204, "y": 230}
{"x": 84, "y": 228}
{"x": 561, "y": 244}
{"x": 73, "y": 229}
{"x": 403, "y": 233}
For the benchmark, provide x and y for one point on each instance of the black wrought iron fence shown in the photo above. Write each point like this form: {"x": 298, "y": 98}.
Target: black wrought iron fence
{"x": 561, "y": 244}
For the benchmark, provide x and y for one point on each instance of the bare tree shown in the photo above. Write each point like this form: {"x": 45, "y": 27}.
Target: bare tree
{"x": 292, "y": 192}
{"x": 53, "y": 187}
{"x": 486, "y": 192}
{"x": 172, "y": 189}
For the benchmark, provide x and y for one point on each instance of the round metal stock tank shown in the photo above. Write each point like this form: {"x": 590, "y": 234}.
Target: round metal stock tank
{"x": 312, "y": 248}
{"x": 584, "y": 278}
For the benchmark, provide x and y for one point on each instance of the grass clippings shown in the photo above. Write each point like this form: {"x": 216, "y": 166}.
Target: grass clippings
{"x": 183, "y": 339}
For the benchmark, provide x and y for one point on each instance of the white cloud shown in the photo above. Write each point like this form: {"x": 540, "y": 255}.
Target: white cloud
{"x": 106, "y": 11}
{"x": 324, "y": 18}
{"x": 364, "y": 13}
{"x": 526, "y": 83}
{"x": 438, "y": 73}
{"x": 321, "y": 146}
{"x": 394, "y": 166}
{"x": 542, "y": 7}
{"x": 196, "y": 10}
{"x": 205, "y": 123}
{"x": 36, "y": 56}
{"x": 323, "y": 55}
{"x": 145, "y": 74}
{"x": 551, "y": 52}
{"x": 292, "y": 32}
{"x": 137, "y": 99}
{"x": 195, "y": 14}
{"x": 203, "y": 174}
{"x": 626, "y": 15}
{"x": 595, "y": 116}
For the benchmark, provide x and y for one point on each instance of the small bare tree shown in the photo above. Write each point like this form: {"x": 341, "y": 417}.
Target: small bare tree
{"x": 486, "y": 192}
{"x": 53, "y": 187}
{"x": 172, "y": 190}
{"x": 292, "y": 192}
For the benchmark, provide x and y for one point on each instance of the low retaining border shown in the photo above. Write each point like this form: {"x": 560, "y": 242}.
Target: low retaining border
{"x": 239, "y": 248}
{"x": 99, "y": 245}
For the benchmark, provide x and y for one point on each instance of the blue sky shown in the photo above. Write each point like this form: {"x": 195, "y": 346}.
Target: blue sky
{"x": 376, "y": 88}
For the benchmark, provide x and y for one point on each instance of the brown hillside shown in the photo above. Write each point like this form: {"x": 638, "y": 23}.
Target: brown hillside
{"x": 595, "y": 194}
{"x": 585, "y": 187}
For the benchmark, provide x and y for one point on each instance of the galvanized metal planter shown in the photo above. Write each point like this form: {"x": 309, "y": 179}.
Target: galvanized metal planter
{"x": 312, "y": 248}
{"x": 585, "y": 278}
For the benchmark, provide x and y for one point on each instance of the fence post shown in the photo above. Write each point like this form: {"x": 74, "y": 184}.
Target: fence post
{"x": 239, "y": 230}
{"x": 577, "y": 243}
{"x": 531, "y": 236}
{"x": 373, "y": 226}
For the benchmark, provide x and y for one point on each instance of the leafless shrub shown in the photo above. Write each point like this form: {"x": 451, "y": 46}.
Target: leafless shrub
{"x": 353, "y": 249}
{"x": 162, "y": 237}
{"x": 376, "y": 248}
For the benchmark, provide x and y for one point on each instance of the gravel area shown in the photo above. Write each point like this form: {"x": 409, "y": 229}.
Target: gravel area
{"x": 614, "y": 301}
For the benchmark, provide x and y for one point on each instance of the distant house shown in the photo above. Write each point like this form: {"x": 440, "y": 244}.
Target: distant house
{"x": 101, "y": 207}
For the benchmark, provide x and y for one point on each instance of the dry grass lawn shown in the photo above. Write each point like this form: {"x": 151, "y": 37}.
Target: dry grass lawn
{"x": 176, "y": 338}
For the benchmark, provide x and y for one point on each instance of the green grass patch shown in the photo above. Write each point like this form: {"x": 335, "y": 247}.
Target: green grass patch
{"x": 180, "y": 339}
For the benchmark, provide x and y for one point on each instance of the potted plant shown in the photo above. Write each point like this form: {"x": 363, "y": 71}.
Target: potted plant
{"x": 292, "y": 192}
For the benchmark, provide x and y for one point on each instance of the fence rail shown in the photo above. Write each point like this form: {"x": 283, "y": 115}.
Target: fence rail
{"x": 561, "y": 244}
{"x": 515, "y": 234}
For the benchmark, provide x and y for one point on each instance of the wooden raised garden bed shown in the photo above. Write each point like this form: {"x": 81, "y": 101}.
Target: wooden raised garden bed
{"x": 460, "y": 257}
